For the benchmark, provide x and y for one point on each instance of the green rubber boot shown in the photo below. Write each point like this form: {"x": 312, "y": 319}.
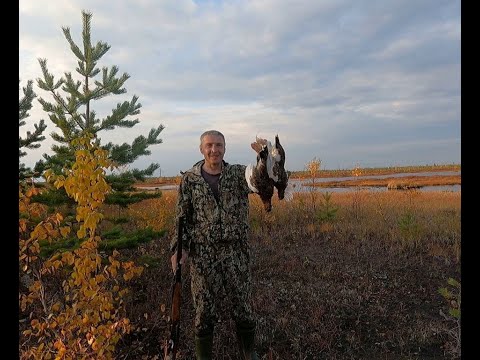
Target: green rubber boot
{"x": 246, "y": 342}
{"x": 203, "y": 347}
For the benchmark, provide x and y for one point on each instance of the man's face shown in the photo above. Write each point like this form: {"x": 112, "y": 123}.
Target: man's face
{"x": 213, "y": 149}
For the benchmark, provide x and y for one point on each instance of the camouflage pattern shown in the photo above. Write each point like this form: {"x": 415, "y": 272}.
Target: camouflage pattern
{"x": 216, "y": 235}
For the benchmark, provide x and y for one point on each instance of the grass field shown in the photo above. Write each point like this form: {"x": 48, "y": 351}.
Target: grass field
{"x": 351, "y": 276}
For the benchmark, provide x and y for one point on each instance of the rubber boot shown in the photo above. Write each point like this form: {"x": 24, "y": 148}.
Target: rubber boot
{"x": 203, "y": 347}
{"x": 246, "y": 342}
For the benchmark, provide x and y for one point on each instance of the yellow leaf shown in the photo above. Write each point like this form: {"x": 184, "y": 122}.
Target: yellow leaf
{"x": 81, "y": 233}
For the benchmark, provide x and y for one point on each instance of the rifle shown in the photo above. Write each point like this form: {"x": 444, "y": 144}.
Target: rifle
{"x": 171, "y": 345}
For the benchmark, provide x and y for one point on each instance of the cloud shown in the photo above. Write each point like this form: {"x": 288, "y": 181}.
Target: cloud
{"x": 349, "y": 82}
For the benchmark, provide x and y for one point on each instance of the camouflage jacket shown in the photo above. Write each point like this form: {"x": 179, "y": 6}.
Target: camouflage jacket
{"x": 209, "y": 223}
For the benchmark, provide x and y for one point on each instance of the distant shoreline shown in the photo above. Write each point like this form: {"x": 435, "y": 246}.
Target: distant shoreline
{"x": 304, "y": 175}
{"x": 377, "y": 171}
{"x": 407, "y": 182}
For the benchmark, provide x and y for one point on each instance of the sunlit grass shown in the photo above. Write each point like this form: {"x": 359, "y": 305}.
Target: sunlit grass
{"x": 395, "y": 219}
{"x": 156, "y": 213}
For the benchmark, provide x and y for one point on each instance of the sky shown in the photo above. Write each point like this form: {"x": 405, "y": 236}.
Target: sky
{"x": 358, "y": 83}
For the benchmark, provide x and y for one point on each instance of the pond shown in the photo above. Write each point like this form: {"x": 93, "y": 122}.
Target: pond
{"x": 301, "y": 187}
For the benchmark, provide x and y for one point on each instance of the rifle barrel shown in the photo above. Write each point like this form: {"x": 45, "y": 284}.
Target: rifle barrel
{"x": 172, "y": 345}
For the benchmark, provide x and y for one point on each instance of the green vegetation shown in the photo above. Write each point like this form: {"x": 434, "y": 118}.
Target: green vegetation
{"x": 73, "y": 113}
{"x": 327, "y": 211}
{"x": 32, "y": 139}
{"x": 112, "y": 239}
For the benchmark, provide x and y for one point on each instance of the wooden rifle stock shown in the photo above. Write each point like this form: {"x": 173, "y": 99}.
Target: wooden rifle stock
{"x": 171, "y": 345}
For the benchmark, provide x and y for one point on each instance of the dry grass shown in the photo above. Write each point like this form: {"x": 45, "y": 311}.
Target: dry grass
{"x": 363, "y": 285}
{"x": 407, "y": 181}
{"x": 358, "y": 171}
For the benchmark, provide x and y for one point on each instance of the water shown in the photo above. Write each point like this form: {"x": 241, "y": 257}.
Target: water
{"x": 438, "y": 173}
{"x": 299, "y": 187}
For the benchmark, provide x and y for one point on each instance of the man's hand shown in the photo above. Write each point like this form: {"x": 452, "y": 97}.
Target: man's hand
{"x": 183, "y": 260}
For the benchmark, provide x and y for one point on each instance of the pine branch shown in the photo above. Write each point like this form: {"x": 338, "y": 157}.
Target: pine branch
{"x": 71, "y": 107}
{"x": 31, "y": 140}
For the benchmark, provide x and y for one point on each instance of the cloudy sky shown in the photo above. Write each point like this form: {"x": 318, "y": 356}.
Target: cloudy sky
{"x": 352, "y": 83}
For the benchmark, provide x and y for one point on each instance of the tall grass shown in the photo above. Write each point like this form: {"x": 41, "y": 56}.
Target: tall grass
{"x": 396, "y": 219}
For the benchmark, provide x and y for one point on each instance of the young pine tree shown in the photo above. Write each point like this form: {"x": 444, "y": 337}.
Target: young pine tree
{"x": 30, "y": 140}
{"x": 72, "y": 113}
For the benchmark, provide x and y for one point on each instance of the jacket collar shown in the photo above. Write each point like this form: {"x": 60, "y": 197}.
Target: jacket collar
{"x": 197, "y": 167}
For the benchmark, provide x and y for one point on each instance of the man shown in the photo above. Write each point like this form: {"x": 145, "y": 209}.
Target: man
{"x": 213, "y": 199}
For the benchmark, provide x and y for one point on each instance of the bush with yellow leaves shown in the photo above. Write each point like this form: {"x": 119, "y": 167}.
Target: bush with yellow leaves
{"x": 83, "y": 317}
